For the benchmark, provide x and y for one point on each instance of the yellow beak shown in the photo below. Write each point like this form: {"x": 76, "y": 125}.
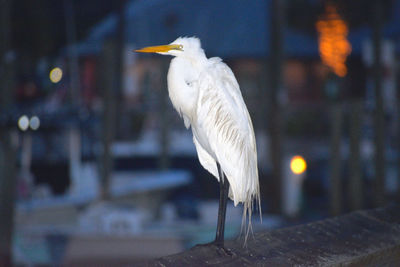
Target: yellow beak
{"x": 160, "y": 48}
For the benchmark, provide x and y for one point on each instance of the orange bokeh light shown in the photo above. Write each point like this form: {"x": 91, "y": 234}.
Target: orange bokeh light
{"x": 333, "y": 44}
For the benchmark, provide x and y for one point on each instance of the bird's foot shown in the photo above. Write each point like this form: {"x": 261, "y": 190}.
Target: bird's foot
{"x": 219, "y": 248}
{"x": 224, "y": 251}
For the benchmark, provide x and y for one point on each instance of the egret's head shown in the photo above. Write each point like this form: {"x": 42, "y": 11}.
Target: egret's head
{"x": 181, "y": 46}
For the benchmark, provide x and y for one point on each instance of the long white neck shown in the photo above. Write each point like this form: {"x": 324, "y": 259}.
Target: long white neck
{"x": 183, "y": 74}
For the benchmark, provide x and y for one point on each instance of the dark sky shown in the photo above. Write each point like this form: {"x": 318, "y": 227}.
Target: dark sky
{"x": 39, "y": 27}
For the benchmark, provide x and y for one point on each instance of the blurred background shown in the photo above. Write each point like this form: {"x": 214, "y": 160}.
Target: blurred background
{"x": 97, "y": 167}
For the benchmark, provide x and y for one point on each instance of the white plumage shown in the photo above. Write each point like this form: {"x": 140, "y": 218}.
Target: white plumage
{"x": 207, "y": 96}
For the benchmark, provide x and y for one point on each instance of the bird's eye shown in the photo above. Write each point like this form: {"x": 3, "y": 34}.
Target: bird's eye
{"x": 181, "y": 47}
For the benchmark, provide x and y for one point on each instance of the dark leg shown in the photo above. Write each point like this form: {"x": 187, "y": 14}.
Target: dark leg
{"x": 218, "y": 243}
{"x": 223, "y": 199}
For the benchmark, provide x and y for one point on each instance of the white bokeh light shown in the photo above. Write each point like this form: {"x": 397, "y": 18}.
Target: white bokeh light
{"x": 23, "y": 123}
{"x": 34, "y": 123}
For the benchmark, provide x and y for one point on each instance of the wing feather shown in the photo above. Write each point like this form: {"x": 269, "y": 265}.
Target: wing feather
{"x": 205, "y": 159}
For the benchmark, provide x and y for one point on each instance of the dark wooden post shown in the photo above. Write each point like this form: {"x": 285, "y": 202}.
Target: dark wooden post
{"x": 7, "y": 149}
{"x": 112, "y": 71}
{"x": 356, "y": 185}
{"x": 336, "y": 159}
{"x": 164, "y": 160}
{"x": 379, "y": 123}
{"x": 108, "y": 120}
{"x": 274, "y": 112}
{"x": 74, "y": 90}
{"x": 398, "y": 133}
{"x": 119, "y": 52}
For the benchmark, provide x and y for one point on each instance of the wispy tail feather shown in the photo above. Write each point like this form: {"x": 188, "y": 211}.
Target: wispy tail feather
{"x": 253, "y": 201}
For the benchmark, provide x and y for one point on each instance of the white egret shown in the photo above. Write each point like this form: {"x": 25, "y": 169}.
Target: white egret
{"x": 207, "y": 96}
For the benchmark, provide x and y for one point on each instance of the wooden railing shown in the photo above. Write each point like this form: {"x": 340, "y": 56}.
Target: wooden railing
{"x": 361, "y": 238}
